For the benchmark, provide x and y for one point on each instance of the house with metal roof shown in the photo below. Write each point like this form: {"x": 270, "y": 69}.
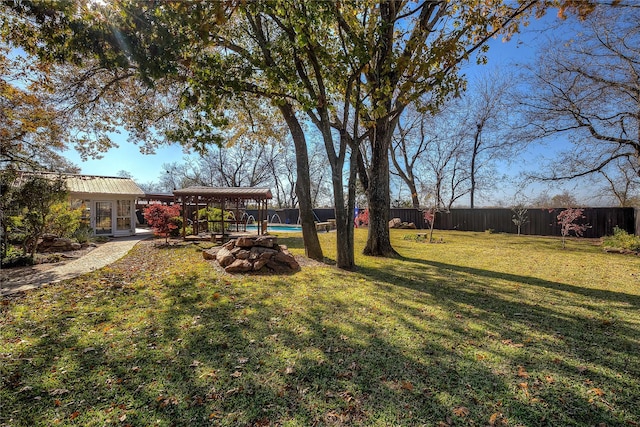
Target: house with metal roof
{"x": 109, "y": 202}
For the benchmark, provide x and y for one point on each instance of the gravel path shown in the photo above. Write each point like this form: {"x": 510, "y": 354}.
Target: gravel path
{"x": 23, "y": 279}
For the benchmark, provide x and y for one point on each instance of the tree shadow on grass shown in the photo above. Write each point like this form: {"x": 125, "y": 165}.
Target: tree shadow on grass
{"x": 198, "y": 349}
{"x": 611, "y": 296}
{"x": 589, "y": 335}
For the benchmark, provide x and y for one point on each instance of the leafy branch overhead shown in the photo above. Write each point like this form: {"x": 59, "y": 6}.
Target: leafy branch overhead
{"x": 173, "y": 71}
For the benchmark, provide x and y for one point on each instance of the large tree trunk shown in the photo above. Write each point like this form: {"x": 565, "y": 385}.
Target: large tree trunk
{"x": 303, "y": 185}
{"x": 344, "y": 229}
{"x": 415, "y": 200}
{"x": 378, "y": 193}
{"x": 344, "y": 215}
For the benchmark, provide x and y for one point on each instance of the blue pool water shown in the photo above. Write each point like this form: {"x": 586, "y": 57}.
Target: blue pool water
{"x": 276, "y": 228}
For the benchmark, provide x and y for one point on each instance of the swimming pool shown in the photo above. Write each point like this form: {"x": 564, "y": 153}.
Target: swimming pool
{"x": 278, "y": 228}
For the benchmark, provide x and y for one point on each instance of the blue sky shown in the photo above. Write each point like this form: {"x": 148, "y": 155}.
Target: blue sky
{"x": 521, "y": 48}
{"x": 144, "y": 167}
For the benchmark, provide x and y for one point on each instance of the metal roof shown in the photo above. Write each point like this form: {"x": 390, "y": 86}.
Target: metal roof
{"x": 91, "y": 184}
{"x": 254, "y": 193}
{"x": 102, "y": 185}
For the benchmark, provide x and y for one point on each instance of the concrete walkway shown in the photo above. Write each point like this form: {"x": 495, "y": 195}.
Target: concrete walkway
{"x": 20, "y": 280}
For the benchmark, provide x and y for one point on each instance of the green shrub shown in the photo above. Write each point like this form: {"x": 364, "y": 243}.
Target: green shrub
{"x": 63, "y": 220}
{"x": 15, "y": 258}
{"x": 622, "y": 240}
{"x": 83, "y": 233}
{"x": 177, "y": 230}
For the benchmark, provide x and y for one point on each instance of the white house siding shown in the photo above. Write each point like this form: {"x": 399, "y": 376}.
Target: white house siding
{"x": 109, "y": 202}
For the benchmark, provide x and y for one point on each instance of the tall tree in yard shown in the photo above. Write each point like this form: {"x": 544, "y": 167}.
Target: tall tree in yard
{"x": 587, "y": 89}
{"x": 488, "y": 112}
{"x": 212, "y": 54}
{"x": 410, "y": 143}
{"x": 32, "y": 128}
{"x": 408, "y": 50}
{"x": 164, "y": 71}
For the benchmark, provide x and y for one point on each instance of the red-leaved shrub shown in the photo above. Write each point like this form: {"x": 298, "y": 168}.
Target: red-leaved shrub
{"x": 159, "y": 217}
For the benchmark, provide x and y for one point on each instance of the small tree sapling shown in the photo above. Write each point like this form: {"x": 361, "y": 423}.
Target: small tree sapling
{"x": 430, "y": 217}
{"x": 567, "y": 220}
{"x": 520, "y": 217}
{"x": 159, "y": 217}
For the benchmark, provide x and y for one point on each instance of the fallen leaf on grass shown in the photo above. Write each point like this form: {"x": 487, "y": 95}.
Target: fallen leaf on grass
{"x": 597, "y": 391}
{"x": 75, "y": 415}
{"x": 497, "y": 420}
{"x": 522, "y": 372}
{"x": 461, "y": 411}
{"x": 525, "y": 388}
{"x": 406, "y": 385}
{"x": 58, "y": 392}
{"x": 236, "y": 374}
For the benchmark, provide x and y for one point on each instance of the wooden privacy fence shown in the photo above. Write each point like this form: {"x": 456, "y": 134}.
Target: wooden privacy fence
{"x": 541, "y": 222}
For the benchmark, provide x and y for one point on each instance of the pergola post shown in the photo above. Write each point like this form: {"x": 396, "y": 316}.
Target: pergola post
{"x": 184, "y": 216}
{"x": 222, "y": 203}
{"x": 196, "y": 228}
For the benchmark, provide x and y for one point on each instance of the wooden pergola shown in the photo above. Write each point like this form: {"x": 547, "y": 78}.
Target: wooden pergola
{"x": 227, "y": 199}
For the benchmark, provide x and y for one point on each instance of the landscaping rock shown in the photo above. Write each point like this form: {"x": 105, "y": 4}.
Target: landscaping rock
{"x": 287, "y": 259}
{"x": 244, "y": 242}
{"x": 253, "y": 254}
{"x": 242, "y": 254}
{"x": 52, "y": 243}
{"x": 259, "y": 263}
{"x": 239, "y": 266}
{"x": 265, "y": 241}
{"x": 395, "y": 223}
{"x": 210, "y": 254}
{"x": 225, "y": 257}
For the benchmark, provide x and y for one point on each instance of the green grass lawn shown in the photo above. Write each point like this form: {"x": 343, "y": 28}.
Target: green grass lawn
{"x": 484, "y": 329}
